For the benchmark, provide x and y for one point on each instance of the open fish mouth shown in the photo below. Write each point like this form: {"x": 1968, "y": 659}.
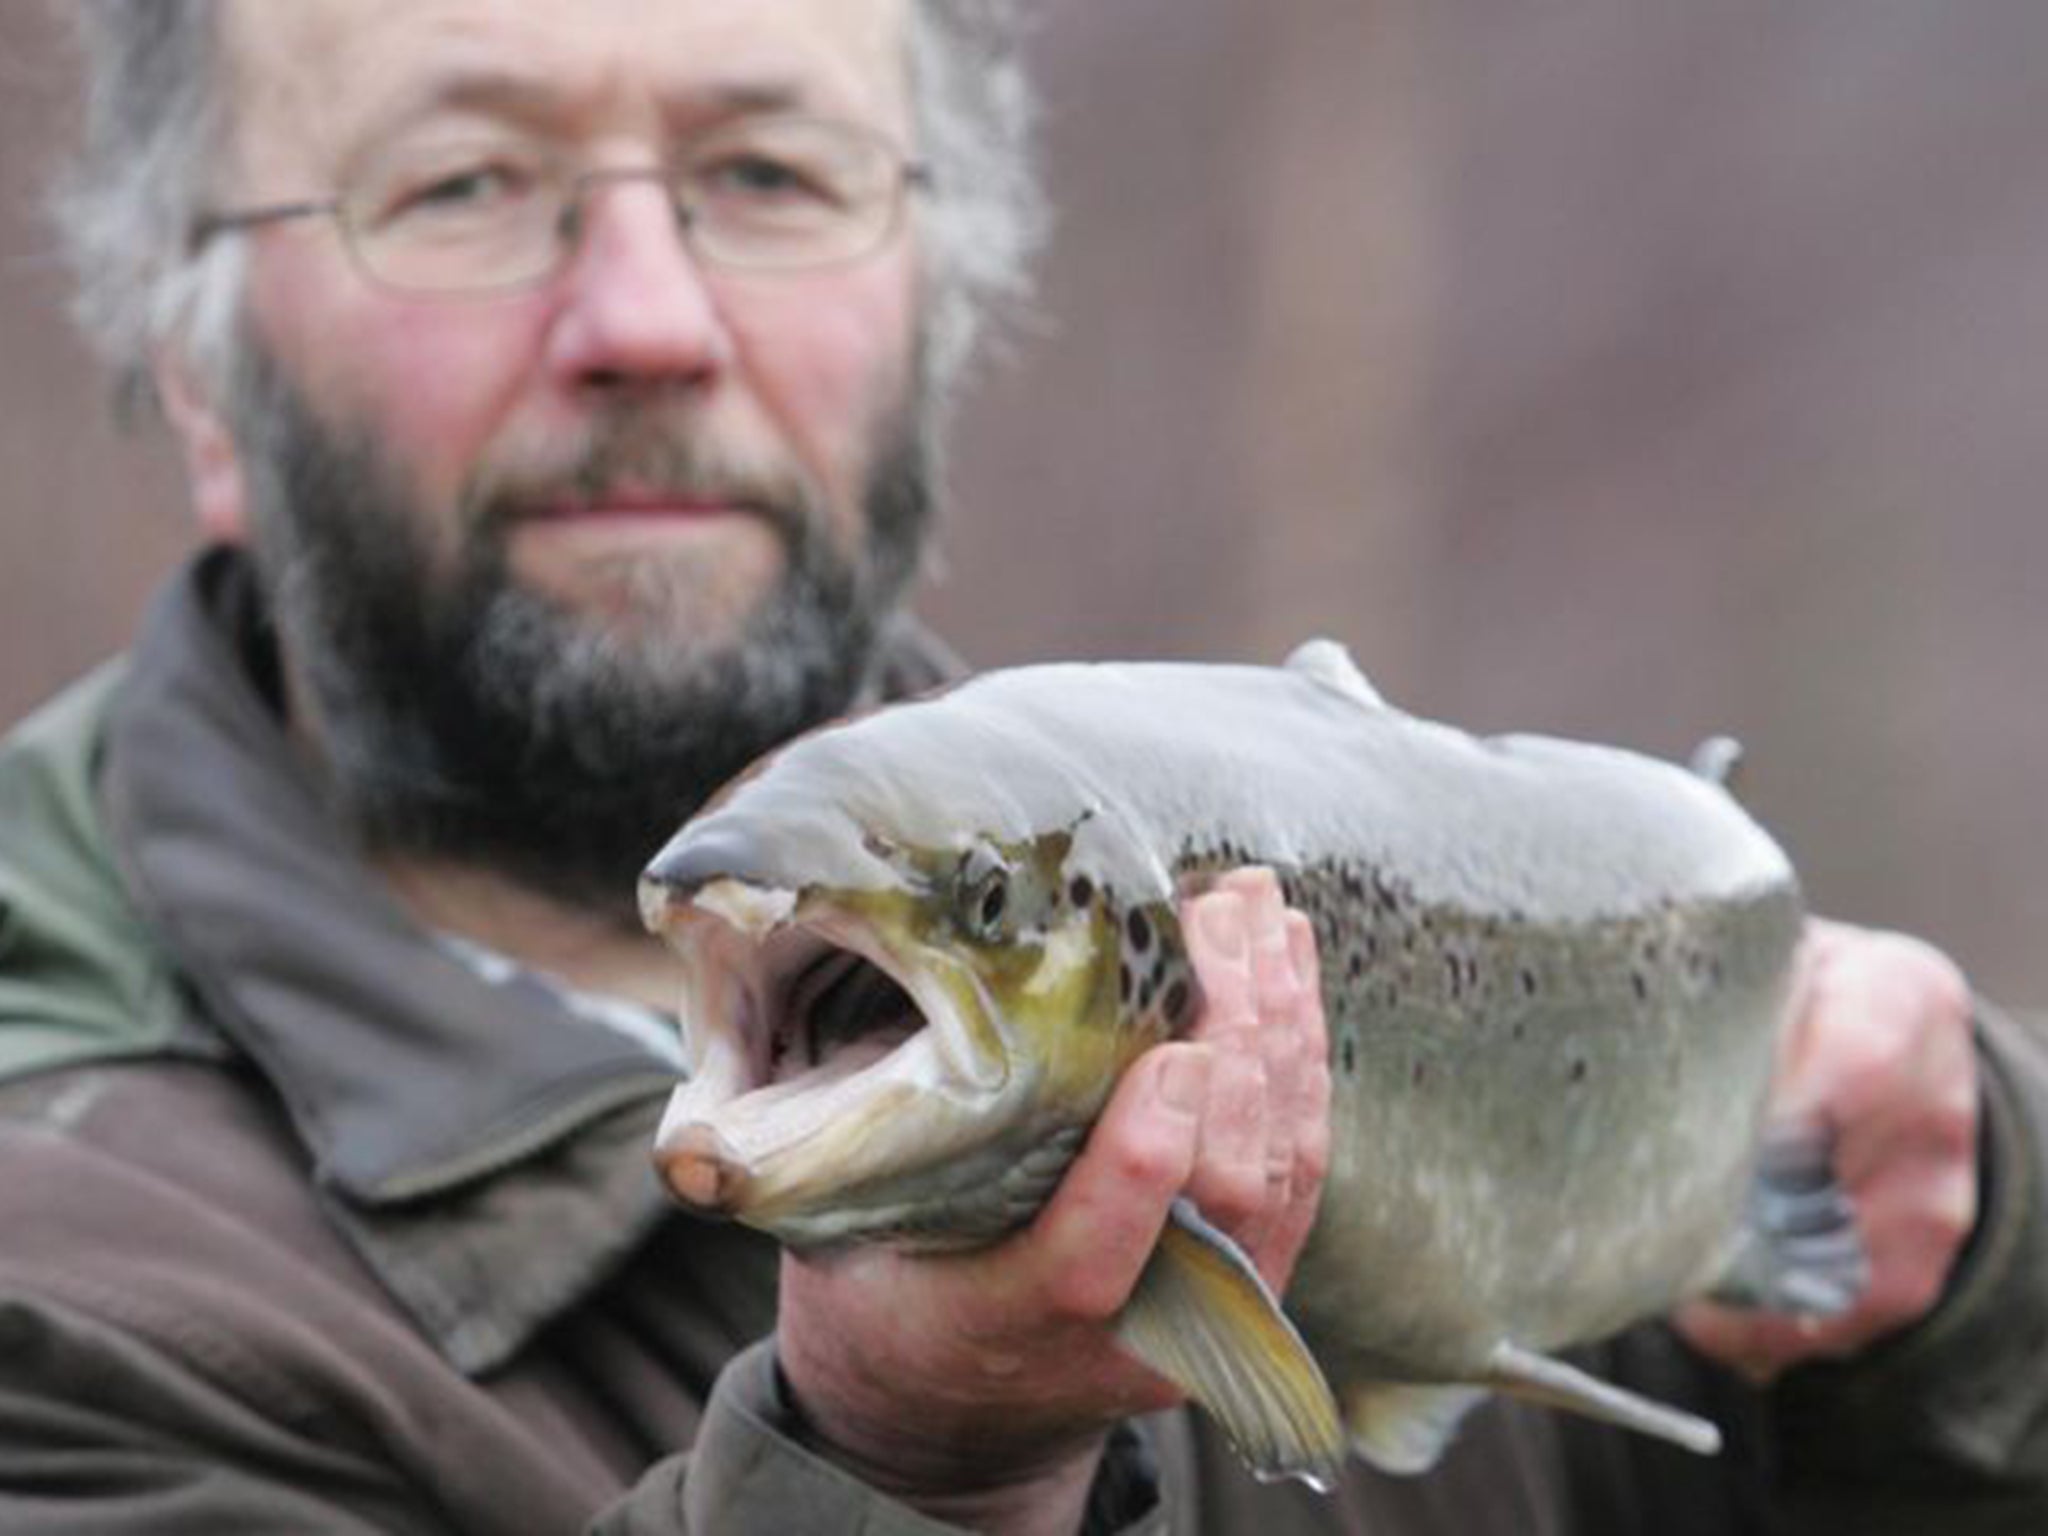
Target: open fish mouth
{"x": 840, "y": 1013}
{"x": 826, "y": 1054}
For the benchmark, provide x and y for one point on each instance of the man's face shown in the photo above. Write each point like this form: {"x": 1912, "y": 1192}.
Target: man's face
{"x": 638, "y": 500}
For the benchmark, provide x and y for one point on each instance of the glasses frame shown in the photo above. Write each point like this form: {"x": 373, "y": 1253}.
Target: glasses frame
{"x": 911, "y": 175}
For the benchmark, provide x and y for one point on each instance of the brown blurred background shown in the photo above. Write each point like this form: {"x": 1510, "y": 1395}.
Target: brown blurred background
{"x": 1631, "y": 372}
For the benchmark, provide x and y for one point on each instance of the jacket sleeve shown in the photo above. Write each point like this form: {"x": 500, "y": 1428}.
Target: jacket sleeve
{"x": 1945, "y": 1427}
{"x": 748, "y": 1473}
{"x": 102, "y": 1434}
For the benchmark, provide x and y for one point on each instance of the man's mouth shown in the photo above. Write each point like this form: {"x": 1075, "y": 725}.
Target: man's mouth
{"x": 644, "y": 506}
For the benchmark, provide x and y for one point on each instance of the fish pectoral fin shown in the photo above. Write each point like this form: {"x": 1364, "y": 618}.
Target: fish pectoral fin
{"x": 1539, "y": 1379}
{"x": 1798, "y": 1250}
{"x": 1403, "y": 1427}
{"x": 1202, "y": 1318}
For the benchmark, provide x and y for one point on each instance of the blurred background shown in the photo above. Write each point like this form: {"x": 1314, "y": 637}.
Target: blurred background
{"x": 1633, "y": 372}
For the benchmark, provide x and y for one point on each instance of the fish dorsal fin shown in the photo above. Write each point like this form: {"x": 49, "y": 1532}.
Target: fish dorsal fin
{"x": 1330, "y": 664}
{"x": 1403, "y": 1426}
{"x": 1540, "y": 1379}
{"x": 1798, "y": 1249}
{"x": 1202, "y": 1318}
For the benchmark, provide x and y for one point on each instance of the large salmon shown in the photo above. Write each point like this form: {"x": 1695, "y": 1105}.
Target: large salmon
{"x": 921, "y": 946}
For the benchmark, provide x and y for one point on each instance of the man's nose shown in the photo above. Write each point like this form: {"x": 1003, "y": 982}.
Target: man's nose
{"x": 638, "y": 312}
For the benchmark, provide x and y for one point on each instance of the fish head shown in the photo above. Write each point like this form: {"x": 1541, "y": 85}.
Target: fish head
{"x": 908, "y": 987}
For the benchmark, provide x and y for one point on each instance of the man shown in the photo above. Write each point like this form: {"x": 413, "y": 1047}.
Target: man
{"x": 558, "y": 386}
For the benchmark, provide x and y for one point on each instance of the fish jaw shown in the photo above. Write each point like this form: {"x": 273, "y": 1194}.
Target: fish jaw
{"x": 833, "y": 1150}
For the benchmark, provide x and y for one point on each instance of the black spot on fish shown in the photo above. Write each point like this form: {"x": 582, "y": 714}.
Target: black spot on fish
{"x": 1139, "y": 927}
{"x": 1528, "y": 982}
{"x": 1146, "y": 990}
{"x": 1387, "y": 898}
{"x": 1356, "y": 966}
{"x": 1123, "y": 984}
{"x": 1641, "y": 983}
{"x": 1418, "y": 1075}
{"x": 1347, "y": 1055}
{"x": 1082, "y": 891}
{"x": 1579, "y": 1070}
{"x": 1520, "y": 1030}
{"x": 1178, "y": 996}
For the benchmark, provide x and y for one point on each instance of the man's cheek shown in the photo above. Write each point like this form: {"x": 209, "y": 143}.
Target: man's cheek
{"x": 831, "y": 368}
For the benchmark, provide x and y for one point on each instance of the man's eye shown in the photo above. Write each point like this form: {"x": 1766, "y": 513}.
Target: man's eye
{"x": 764, "y": 176}
{"x": 479, "y": 189}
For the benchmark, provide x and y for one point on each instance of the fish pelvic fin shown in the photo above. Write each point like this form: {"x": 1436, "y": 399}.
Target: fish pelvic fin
{"x": 1203, "y": 1318}
{"x": 1404, "y": 1427}
{"x": 1538, "y": 1378}
{"x": 1798, "y": 1250}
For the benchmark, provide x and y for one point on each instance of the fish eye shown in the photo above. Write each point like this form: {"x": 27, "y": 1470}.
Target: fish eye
{"x": 984, "y": 892}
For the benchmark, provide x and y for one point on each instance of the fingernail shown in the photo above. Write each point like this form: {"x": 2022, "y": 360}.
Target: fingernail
{"x": 1184, "y": 1080}
{"x": 1223, "y": 924}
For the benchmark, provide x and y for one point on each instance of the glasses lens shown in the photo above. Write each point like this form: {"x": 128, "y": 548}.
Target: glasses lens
{"x": 789, "y": 192}
{"x": 444, "y": 218}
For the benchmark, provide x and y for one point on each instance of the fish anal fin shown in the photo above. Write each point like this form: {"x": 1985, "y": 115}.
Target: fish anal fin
{"x": 1328, "y": 663}
{"x": 1201, "y": 1317}
{"x": 1538, "y": 1378}
{"x": 1404, "y": 1427}
{"x": 1798, "y": 1250}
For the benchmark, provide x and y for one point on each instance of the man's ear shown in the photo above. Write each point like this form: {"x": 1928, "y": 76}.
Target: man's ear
{"x": 213, "y": 465}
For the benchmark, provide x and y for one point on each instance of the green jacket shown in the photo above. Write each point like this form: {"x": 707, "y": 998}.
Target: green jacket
{"x": 314, "y": 1225}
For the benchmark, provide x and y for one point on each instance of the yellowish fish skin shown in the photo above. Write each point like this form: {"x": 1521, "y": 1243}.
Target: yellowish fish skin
{"x": 1555, "y": 974}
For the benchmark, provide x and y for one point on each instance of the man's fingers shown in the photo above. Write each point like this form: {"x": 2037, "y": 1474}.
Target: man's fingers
{"x": 1219, "y": 941}
{"x": 1881, "y": 1053}
{"x": 1229, "y": 1182}
{"x": 1088, "y": 1246}
{"x": 1263, "y": 1015}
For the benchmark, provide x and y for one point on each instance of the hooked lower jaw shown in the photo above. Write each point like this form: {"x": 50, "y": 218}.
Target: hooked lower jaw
{"x": 789, "y": 1107}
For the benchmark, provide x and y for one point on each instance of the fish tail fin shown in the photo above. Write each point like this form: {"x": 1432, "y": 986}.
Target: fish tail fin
{"x": 1538, "y": 1378}
{"x": 1202, "y": 1318}
{"x": 1798, "y": 1249}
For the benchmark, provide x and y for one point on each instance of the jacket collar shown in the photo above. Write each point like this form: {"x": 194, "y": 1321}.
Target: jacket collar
{"x": 412, "y": 1081}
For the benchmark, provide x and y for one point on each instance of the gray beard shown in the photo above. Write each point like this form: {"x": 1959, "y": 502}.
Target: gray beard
{"x": 464, "y": 716}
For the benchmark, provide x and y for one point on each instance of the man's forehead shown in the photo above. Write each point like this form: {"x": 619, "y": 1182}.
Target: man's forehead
{"x": 324, "y": 70}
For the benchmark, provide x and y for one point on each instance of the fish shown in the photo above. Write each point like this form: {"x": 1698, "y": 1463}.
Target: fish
{"x": 921, "y": 945}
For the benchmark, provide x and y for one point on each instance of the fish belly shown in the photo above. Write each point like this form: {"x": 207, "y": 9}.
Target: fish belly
{"x": 1541, "y": 1133}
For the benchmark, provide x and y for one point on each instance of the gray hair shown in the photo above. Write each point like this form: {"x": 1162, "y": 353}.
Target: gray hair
{"x": 157, "y": 119}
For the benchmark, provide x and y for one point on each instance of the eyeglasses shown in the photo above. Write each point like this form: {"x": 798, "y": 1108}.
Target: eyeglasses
{"x": 772, "y": 193}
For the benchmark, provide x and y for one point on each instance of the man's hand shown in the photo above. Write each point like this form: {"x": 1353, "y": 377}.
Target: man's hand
{"x": 980, "y": 1387}
{"x": 1880, "y": 1055}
